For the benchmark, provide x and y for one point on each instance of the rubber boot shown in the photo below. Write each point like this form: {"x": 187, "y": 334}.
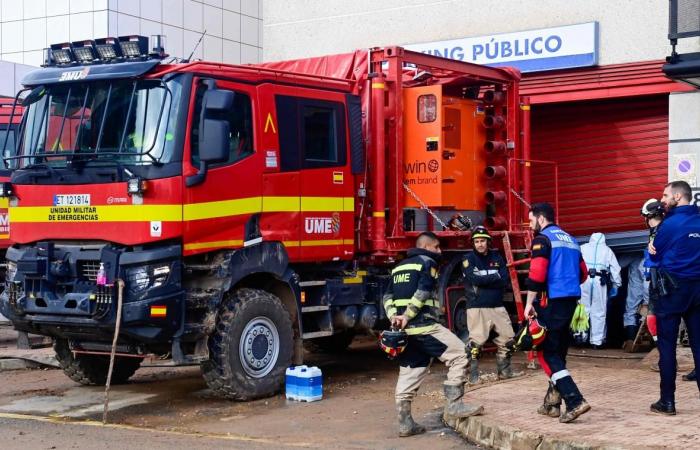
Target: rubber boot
{"x": 474, "y": 371}
{"x": 454, "y": 407}
{"x": 573, "y": 412}
{"x": 505, "y": 369}
{"x": 407, "y": 427}
{"x": 551, "y": 406}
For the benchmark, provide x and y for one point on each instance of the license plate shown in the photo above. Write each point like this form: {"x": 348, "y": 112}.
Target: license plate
{"x": 71, "y": 200}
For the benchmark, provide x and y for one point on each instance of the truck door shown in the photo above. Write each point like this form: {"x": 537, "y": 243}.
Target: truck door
{"x": 313, "y": 138}
{"x": 223, "y": 210}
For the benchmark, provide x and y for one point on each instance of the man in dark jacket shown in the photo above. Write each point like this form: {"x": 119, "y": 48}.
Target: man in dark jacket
{"x": 485, "y": 281}
{"x": 411, "y": 305}
{"x": 676, "y": 250}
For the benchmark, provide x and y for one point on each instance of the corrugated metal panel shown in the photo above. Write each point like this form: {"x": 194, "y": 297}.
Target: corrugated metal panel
{"x": 617, "y": 80}
{"x": 612, "y": 156}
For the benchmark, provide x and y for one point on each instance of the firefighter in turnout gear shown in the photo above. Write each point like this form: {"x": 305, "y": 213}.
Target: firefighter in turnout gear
{"x": 485, "y": 281}
{"x": 411, "y": 304}
{"x": 557, "y": 271}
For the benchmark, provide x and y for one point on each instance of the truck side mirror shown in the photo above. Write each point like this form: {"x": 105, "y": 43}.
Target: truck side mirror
{"x": 214, "y": 131}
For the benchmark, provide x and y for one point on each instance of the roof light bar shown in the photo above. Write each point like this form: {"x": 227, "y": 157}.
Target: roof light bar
{"x": 84, "y": 51}
{"x": 62, "y": 54}
{"x": 108, "y": 48}
{"x": 105, "y": 50}
{"x": 134, "y": 46}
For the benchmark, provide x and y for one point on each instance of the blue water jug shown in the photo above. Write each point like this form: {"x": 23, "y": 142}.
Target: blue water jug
{"x": 309, "y": 384}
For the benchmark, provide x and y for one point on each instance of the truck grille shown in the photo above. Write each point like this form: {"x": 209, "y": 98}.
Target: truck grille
{"x": 89, "y": 269}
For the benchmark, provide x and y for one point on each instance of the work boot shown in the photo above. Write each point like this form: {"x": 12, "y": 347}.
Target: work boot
{"x": 454, "y": 407}
{"x": 662, "y": 407}
{"x": 505, "y": 369}
{"x": 407, "y": 427}
{"x": 474, "y": 371}
{"x": 551, "y": 406}
{"x": 690, "y": 376}
{"x": 572, "y": 414}
{"x": 630, "y": 336}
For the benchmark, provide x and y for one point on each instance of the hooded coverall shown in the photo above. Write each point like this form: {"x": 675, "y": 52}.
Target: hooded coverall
{"x": 594, "y": 294}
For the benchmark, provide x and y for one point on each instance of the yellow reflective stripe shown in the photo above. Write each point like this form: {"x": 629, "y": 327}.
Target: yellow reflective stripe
{"x": 213, "y": 244}
{"x": 191, "y": 211}
{"x": 419, "y": 330}
{"x": 352, "y": 280}
{"x": 105, "y": 213}
{"x": 413, "y": 301}
{"x": 388, "y": 303}
{"x": 212, "y": 210}
{"x": 4, "y": 202}
{"x": 318, "y": 243}
{"x": 281, "y": 204}
{"x": 377, "y": 85}
{"x": 378, "y": 214}
{"x": 410, "y": 313}
{"x": 4, "y": 236}
{"x": 391, "y": 312}
{"x": 328, "y": 204}
{"x": 403, "y": 267}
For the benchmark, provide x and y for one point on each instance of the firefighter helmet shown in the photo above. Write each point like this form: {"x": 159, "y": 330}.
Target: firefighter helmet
{"x": 652, "y": 208}
{"x": 530, "y": 335}
{"x": 393, "y": 342}
{"x": 481, "y": 232}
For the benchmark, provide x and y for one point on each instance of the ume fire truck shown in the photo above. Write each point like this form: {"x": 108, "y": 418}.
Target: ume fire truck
{"x": 248, "y": 209}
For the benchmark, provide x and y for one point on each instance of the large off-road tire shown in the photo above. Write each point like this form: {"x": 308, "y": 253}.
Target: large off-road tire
{"x": 330, "y": 344}
{"x": 250, "y": 348}
{"x": 91, "y": 370}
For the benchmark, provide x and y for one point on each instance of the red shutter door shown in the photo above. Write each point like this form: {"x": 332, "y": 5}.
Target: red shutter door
{"x": 612, "y": 156}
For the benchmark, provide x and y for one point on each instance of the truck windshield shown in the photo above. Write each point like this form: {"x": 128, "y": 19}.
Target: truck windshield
{"x": 128, "y": 121}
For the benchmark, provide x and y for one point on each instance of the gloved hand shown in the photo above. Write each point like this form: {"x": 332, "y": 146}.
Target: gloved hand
{"x": 613, "y": 291}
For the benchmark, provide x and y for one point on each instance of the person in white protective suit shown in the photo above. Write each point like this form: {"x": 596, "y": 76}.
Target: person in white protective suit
{"x": 603, "y": 271}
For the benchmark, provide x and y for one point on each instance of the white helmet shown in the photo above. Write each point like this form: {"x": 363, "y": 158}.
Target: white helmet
{"x": 651, "y": 208}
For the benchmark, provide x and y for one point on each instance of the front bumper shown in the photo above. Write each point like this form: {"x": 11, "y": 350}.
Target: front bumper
{"x": 54, "y": 293}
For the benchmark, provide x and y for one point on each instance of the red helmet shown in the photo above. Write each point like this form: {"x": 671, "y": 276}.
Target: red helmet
{"x": 530, "y": 335}
{"x": 393, "y": 342}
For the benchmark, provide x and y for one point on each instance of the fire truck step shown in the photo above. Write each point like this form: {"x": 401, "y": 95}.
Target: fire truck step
{"x": 312, "y": 283}
{"x": 316, "y": 334}
{"x": 308, "y": 309}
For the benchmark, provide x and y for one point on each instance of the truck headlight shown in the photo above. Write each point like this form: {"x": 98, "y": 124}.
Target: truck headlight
{"x": 146, "y": 277}
{"x": 11, "y": 271}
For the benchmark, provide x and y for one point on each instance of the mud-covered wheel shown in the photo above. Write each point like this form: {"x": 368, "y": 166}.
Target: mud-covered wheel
{"x": 91, "y": 370}
{"x": 330, "y": 344}
{"x": 251, "y": 347}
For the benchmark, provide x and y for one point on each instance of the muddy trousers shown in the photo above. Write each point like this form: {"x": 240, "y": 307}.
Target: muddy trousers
{"x": 556, "y": 316}
{"x": 480, "y": 322}
{"x": 682, "y": 302}
{"x": 437, "y": 342}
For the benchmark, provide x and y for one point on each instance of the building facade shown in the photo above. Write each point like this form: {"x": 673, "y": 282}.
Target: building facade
{"x": 604, "y": 120}
{"x": 233, "y": 27}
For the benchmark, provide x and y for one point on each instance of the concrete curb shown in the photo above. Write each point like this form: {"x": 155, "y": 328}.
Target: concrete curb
{"x": 488, "y": 433}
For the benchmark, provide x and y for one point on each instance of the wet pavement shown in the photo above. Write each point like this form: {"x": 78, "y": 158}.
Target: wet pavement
{"x": 172, "y": 408}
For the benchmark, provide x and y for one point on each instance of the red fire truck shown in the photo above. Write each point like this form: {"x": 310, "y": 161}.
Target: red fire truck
{"x": 247, "y": 209}
{"x": 9, "y": 123}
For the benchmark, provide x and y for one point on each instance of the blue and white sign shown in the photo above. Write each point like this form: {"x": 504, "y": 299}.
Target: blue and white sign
{"x": 530, "y": 51}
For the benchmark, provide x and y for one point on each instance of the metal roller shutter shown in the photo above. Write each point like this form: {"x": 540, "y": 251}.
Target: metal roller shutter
{"x": 611, "y": 155}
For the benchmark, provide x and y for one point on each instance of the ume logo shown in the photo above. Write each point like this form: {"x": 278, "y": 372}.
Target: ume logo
{"x": 318, "y": 225}
{"x": 74, "y": 75}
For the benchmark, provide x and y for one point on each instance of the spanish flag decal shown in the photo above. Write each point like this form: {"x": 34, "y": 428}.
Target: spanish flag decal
{"x": 159, "y": 311}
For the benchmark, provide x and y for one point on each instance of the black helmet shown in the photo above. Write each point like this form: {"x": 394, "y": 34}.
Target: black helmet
{"x": 393, "y": 342}
{"x": 480, "y": 232}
